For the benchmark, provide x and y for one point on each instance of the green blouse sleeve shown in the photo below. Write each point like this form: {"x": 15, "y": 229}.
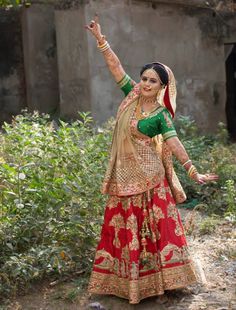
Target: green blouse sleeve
{"x": 167, "y": 127}
{"x": 158, "y": 123}
{"x": 126, "y": 84}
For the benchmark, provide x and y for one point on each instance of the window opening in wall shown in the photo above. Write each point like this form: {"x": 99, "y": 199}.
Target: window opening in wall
{"x": 230, "y": 108}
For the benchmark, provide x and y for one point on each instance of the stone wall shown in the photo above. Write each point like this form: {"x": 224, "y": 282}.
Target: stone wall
{"x": 73, "y": 63}
{"x": 40, "y": 58}
{"x": 12, "y": 84}
{"x": 190, "y": 40}
{"x": 65, "y": 73}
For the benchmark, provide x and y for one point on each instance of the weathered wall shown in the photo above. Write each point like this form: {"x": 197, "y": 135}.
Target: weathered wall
{"x": 65, "y": 71}
{"x": 40, "y": 58}
{"x": 179, "y": 37}
{"x": 188, "y": 39}
{"x": 12, "y": 86}
{"x": 74, "y": 81}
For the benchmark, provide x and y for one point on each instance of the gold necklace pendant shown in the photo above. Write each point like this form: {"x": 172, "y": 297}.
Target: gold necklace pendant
{"x": 141, "y": 114}
{"x": 138, "y": 112}
{"x": 145, "y": 114}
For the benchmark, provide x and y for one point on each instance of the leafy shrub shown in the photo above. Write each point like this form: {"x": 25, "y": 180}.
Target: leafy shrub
{"x": 50, "y": 202}
{"x": 13, "y": 3}
{"x": 209, "y": 154}
{"x": 51, "y": 208}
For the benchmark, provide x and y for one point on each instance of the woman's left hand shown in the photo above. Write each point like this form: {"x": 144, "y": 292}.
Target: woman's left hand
{"x": 204, "y": 178}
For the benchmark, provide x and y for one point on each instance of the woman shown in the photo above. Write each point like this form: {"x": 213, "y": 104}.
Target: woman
{"x": 143, "y": 250}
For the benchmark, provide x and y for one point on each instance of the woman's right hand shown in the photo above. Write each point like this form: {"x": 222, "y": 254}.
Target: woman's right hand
{"x": 95, "y": 28}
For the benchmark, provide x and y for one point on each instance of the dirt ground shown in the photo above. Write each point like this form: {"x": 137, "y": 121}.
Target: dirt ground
{"x": 215, "y": 258}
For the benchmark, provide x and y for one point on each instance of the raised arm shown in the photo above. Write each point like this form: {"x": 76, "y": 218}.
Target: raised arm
{"x": 110, "y": 57}
{"x": 180, "y": 153}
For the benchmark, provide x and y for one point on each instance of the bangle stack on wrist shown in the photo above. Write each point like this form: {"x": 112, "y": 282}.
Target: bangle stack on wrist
{"x": 192, "y": 171}
{"x": 104, "y": 46}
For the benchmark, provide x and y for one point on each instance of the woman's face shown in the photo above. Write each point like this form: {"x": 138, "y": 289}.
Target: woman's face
{"x": 150, "y": 83}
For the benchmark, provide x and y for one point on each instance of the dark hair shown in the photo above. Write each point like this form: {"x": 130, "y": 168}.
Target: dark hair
{"x": 160, "y": 70}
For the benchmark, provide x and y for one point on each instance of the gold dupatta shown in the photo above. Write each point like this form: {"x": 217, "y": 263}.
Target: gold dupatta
{"x": 138, "y": 163}
{"x": 135, "y": 166}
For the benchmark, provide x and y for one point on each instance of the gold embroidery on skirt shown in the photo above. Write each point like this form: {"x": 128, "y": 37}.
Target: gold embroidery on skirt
{"x": 107, "y": 262}
{"x": 137, "y": 200}
{"x": 125, "y": 203}
{"x": 173, "y": 254}
{"x": 133, "y": 226}
{"x": 123, "y": 269}
{"x": 125, "y": 257}
{"x": 144, "y": 286}
{"x": 112, "y": 202}
{"x": 173, "y": 213}
{"x": 116, "y": 267}
{"x": 152, "y": 264}
{"x": 117, "y": 222}
{"x": 155, "y": 234}
{"x": 134, "y": 272}
{"x": 162, "y": 190}
{"x": 158, "y": 214}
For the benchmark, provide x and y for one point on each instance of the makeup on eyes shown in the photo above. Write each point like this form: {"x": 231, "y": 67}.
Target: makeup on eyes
{"x": 145, "y": 79}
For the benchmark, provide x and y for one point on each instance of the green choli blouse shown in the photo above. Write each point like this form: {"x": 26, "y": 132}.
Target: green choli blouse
{"x": 158, "y": 122}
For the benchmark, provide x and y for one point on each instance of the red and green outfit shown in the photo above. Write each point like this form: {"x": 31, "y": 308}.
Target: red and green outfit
{"x": 142, "y": 251}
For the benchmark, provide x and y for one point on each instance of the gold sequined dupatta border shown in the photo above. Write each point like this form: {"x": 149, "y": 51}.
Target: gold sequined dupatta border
{"x": 173, "y": 181}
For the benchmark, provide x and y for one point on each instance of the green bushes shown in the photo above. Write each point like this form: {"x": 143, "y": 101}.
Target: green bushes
{"x": 13, "y": 3}
{"x": 209, "y": 154}
{"x": 50, "y": 203}
{"x": 51, "y": 208}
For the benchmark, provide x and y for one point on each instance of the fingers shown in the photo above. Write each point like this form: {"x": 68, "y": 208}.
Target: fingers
{"x": 91, "y": 25}
{"x": 203, "y": 179}
{"x": 211, "y": 177}
{"x": 96, "y": 19}
{"x": 200, "y": 181}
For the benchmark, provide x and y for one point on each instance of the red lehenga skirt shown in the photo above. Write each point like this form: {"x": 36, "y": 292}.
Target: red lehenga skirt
{"x": 143, "y": 250}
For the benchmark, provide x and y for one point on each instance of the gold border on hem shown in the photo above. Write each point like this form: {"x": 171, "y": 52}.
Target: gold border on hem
{"x": 146, "y": 286}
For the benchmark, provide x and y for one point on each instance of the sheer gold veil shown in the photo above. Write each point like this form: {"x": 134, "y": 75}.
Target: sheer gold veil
{"x": 167, "y": 98}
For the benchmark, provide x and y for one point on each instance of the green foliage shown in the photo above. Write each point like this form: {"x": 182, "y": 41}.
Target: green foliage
{"x": 14, "y": 3}
{"x": 230, "y": 198}
{"x": 209, "y": 225}
{"x": 51, "y": 208}
{"x": 50, "y": 202}
{"x": 209, "y": 154}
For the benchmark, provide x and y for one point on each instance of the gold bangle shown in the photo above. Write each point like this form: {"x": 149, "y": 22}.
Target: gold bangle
{"x": 192, "y": 171}
{"x": 103, "y": 38}
{"x": 102, "y": 45}
{"x": 105, "y": 47}
{"x": 188, "y": 161}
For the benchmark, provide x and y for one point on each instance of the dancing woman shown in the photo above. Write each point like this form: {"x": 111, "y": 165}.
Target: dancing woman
{"x": 143, "y": 250}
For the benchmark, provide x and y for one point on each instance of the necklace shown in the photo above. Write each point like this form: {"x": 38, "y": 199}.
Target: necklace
{"x": 140, "y": 113}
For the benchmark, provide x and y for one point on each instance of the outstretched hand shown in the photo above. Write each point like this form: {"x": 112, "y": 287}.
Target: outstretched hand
{"x": 204, "y": 178}
{"x": 94, "y": 27}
